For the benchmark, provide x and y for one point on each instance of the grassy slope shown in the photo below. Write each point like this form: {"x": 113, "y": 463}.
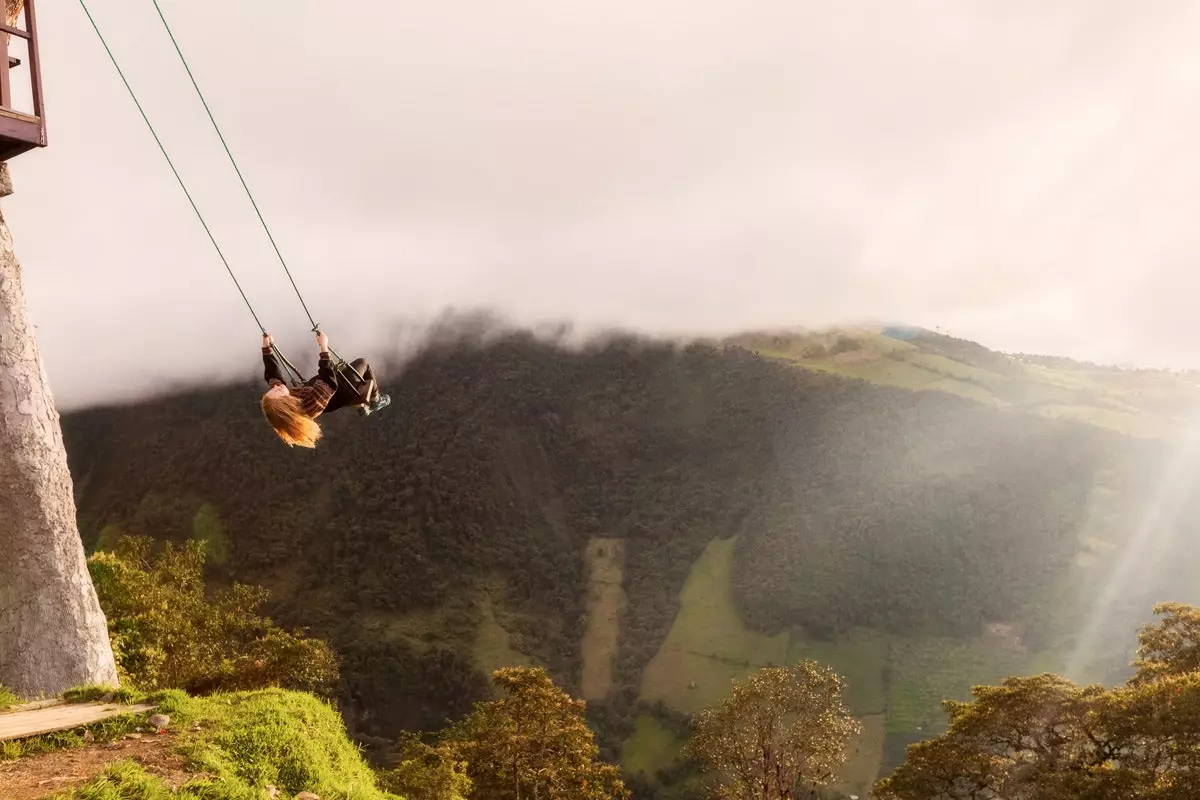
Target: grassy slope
{"x": 488, "y": 639}
{"x": 651, "y": 746}
{"x": 237, "y": 744}
{"x": 493, "y": 645}
{"x": 860, "y": 658}
{"x": 924, "y": 670}
{"x": 895, "y": 684}
{"x": 708, "y": 645}
{"x": 1138, "y": 404}
{"x": 864, "y": 757}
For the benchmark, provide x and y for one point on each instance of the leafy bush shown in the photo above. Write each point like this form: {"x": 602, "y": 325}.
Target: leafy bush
{"x": 426, "y": 772}
{"x": 168, "y": 632}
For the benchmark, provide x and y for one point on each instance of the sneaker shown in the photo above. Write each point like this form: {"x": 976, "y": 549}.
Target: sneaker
{"x": 381, "y": 401}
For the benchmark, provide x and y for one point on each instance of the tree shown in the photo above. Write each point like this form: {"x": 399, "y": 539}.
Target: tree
{"x": 1171, "y": 647}
{"x": 426, "y": 772}
{"x": 52, "y": 632}
{"x": 1044, "y": 738}
{"x": 780, "y": 734}
{"x": 532, "y": 743}
{"x": 169, "y": 632}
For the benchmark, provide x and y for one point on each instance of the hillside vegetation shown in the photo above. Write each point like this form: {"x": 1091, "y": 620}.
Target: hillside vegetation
{"x": 234, "y": 746}
{"x": 773, "y": 502}
{"x": 1144, "y": 403}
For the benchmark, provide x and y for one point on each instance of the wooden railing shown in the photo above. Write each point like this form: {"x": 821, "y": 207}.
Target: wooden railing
{"x": 21, "y": 131}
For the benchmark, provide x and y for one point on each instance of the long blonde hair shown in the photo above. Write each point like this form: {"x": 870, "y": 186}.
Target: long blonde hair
{"x": 284, "y": 414}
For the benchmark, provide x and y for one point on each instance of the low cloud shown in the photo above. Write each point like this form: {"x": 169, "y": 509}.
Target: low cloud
{"x": 1020, "y": 173}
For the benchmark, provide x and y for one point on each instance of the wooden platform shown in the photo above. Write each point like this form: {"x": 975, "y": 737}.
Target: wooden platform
{"x": 22, "y": 722}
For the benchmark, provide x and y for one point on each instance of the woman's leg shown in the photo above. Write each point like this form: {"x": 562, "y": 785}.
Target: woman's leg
{"x": 351, "y": 391}
{"x": 369, "y": 386}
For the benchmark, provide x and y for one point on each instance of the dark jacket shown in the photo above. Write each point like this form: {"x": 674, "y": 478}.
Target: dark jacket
{"x": 315, "y": 393}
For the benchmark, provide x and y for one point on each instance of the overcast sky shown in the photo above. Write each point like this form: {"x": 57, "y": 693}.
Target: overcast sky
{"x": 1021, "y": 172}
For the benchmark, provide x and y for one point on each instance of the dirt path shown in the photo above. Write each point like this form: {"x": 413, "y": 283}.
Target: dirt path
{"x": 42, "y": 776}
{"x": 605, "y": 599}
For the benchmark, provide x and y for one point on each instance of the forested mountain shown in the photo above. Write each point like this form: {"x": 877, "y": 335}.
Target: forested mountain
{"x": 450, "y": 533}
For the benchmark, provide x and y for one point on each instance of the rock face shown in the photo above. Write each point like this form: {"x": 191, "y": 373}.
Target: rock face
{"x": 53, "y": 635}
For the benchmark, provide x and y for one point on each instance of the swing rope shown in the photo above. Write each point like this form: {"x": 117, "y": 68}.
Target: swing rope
{"x": 171, "y": 164}
{"x": 316, "y": 327}
{"x": 183, "y": 185}
{"x": 187, "y": 68}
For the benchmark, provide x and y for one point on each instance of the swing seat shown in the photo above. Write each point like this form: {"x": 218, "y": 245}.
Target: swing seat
{"x": 346, "y": 372}
{"x": 353, "y": 387}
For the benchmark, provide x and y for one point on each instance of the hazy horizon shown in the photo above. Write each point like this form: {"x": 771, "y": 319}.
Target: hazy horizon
{"x": 1018, "y": 175}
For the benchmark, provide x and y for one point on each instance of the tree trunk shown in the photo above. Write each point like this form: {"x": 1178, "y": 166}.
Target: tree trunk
{"x": 53, "y": 634}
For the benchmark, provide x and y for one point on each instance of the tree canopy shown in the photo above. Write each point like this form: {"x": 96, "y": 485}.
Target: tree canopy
{"x": 1045, "y": 738}
{"x": 532, "y": 743}
{"x": 169, "y": 631}
{"x": 781, "y": 732}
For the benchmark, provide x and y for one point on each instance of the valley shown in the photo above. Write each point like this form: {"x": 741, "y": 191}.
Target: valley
{"x": 651, "y": 521}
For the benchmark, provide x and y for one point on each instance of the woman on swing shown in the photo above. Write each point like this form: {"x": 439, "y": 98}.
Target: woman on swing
{"x": 292, "y": 412}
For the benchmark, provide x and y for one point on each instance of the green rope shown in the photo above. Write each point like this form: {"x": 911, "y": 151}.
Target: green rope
{"x": 171, "y": 164}
{"x": 233, "y": 161}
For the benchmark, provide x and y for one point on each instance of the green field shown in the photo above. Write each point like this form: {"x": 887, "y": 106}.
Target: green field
{"x": 472, "y": 620}
{"x": 493, "y": 645}
{"x": 708, "y": 645}
{"x": 957, "y": 369}
{"x": 1129, "y": 423}
{"x": 860, "y": 658}
{"x": 927, "y": 670}
{"x": 894, "y": 684}
{"x": 652, "y": 746}
{"x": 1135, "y": 402}
{"x": 915, "y": 371}
{"x": 884, "y": 371}
{"x": 864, "y": 757}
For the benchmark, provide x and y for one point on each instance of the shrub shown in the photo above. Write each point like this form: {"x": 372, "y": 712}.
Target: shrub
{"x": 168, "y": 632}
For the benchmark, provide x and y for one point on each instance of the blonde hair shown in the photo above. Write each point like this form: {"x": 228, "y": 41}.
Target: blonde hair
{"x": 284, "y": 414}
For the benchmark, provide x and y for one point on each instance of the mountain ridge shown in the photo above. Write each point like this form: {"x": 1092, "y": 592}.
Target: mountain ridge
{"x": 453, "y": 531}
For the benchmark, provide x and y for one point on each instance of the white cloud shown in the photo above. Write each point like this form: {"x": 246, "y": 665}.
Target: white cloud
{"x": 1020, "y": 172}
